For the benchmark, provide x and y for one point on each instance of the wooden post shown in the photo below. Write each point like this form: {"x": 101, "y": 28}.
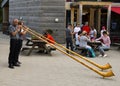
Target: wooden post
{"x": 109, "y": 18}
{"x": 99, "y": 19}
{"x": 91, "y": 17}
{"x": 80, "y": 13}
{"x": 5, "y": 22}
{"x": 78, "y": 16}
{"x": 5, "y": 14}
{"x": 72, "y": 16}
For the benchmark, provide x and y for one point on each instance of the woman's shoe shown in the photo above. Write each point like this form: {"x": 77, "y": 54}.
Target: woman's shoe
{"x": 100, "y": 55}
{"x": 105, "y": 55}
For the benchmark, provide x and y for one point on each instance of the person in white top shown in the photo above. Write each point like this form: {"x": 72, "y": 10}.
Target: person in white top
{"x": 76, "y": 30}
{"x": 93, "y": 33}
{"x": 103, "y": 29}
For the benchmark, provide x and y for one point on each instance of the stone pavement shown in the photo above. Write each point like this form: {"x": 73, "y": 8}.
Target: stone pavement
{"x": 55, "y": 70}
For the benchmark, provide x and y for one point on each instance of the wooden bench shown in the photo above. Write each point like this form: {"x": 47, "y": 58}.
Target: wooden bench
{"x": 37, "y": 45}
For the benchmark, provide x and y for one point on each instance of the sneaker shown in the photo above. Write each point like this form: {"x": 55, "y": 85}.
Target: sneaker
{"x": 100, "y": 55}
{"x": 105, "y": 55}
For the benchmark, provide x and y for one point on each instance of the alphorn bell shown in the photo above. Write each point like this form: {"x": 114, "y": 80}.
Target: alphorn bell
{"x": 108, "y": 73}
{"x": 102, "y": 67}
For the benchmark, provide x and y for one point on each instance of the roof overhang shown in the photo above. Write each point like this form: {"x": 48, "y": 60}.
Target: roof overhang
{"x": 116, "y": 9}
{"x": 91, "y": 3}
{"x": 3, "y": 3}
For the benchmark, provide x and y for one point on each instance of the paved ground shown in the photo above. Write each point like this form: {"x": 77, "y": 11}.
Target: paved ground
{"x": 55, "y": 70}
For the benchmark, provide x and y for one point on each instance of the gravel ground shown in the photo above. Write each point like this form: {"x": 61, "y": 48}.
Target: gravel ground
{"x": 56, "y": 70}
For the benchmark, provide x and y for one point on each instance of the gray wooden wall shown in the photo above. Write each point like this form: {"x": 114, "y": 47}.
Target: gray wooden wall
{"x": 40, "y": 15}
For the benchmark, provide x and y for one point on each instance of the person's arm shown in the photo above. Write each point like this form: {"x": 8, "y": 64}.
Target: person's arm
{"x": 23, "y": 32}
{"x": 109, "y": 41}
{"x": 95, "y": 33}
{"x": 13, "y": 33}
{"x": 79, "y": 37}
{"x": 99, "y": 38}
{"x": 87, "y": 38}
{"x": 72, "y": 32}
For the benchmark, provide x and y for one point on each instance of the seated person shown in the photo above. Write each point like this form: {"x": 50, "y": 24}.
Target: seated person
{"x": 47, "y": 47}
{"x": 105, "y": 43}
{"x": 83, "y": 44}
{"x": 50, "y": 40}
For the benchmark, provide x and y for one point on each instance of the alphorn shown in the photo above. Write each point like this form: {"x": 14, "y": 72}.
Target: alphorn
{"x": 102, "y": 67}
{"x": 108, "y": 73}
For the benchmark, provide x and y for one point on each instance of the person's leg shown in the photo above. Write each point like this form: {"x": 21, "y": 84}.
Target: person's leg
{"x": 11, "y": 53}
{"x": 18, "y": 48}
{"x": 84, "y": 52}
{"x": 67, "y": 44}
{"x": 101, "y": 49}
{"x": 91, "y": 51}
{"x": 71, "y": 44}
{"x": 48, "y": 48}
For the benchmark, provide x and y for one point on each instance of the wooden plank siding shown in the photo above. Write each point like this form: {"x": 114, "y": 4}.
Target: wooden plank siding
{"x": 40, "y": 15}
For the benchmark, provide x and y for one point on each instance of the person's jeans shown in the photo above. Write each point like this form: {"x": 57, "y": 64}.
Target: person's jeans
{"x": 102, "y": 48}
{"x": 90, "y": 51}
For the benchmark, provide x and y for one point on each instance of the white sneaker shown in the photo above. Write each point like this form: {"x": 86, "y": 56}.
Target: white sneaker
{"x": 105, "y": 55}
{"x": 100, "y": 55}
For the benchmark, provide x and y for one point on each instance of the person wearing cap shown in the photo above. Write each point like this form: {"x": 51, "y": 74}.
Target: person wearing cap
{"x": 83, "y": 44}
